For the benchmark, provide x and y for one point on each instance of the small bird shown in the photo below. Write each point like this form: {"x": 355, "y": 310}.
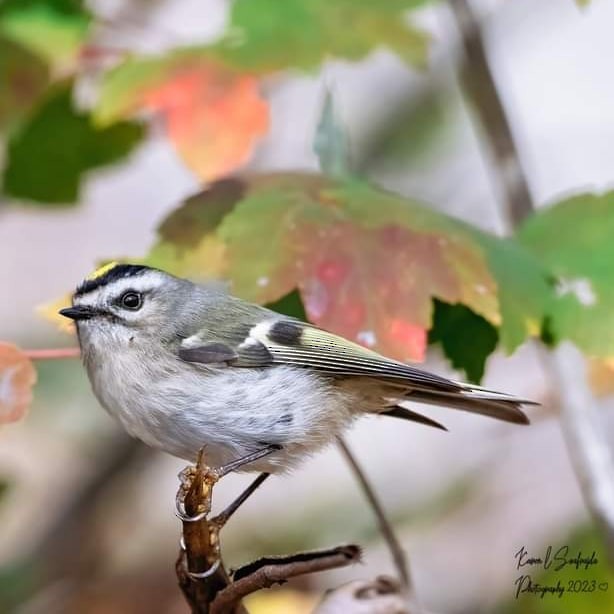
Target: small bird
{"x": 186, "y": 367}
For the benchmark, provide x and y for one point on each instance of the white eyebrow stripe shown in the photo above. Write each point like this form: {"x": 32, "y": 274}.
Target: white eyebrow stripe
{"x": 138, "y": 283}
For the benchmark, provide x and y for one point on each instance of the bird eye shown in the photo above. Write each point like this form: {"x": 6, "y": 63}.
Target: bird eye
{"x": 131, "y": 300}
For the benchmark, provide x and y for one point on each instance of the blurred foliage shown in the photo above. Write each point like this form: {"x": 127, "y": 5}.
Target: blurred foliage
{"x": 290, "y": 305}
{"x": 457, "y": 328}
{"x": 583, "y": 599}
{"x": 573, "y": 239}
{"x": 412, "y": 129}
{"x": 47, "y": 156}
{"x": 330, "y": 143}
{"x": 23, "y": 78}
{"x": 368, "y": 264}
{"x": 266, "y": 35}
{"x": 601, "y": 376}
{"x": 53, "y": 29}
{"x": 212, "y": 114}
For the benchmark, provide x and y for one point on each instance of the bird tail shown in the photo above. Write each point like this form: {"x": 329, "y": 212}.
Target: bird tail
{"x": 476, "y": 400}
{"x": 473, "y": 399}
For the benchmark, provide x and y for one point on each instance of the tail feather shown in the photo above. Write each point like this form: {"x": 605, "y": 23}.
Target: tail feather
{"x": 476, "y": 400}
{"x": 407, "y": 414}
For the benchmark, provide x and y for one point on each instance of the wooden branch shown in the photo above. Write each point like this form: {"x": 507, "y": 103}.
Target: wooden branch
{"x": 203, "y": 579}
{"x": 266, "y": 572}
{"x": 201, "y": 542}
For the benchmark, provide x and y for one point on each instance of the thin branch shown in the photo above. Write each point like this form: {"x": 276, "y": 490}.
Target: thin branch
{"x": 588, "y": 449}
{"x": 52, "y": 353}
{"x": 479, "y": 82}
{"x": 396, "y": 550}
{"x": 268, "y": 571}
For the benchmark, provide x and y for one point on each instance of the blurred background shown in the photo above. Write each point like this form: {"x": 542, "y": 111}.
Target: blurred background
{"x": 87, "y": 515}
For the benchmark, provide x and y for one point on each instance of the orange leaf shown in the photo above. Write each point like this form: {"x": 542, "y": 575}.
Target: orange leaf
{"x": 601, "y": 376}
{"x": 212, "y": 114}
{"x": 17, "y": 377}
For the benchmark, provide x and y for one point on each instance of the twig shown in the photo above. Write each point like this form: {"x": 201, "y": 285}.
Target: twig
{"x": 396, "y": 550}
{"x": 268, "y": 571}
{"x": 52, "y": 353}
{"x": 479, "y": 82}
{"x": 588, "y": 449}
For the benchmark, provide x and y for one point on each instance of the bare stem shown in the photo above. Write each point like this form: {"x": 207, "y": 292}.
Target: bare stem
{"x": 52, "y": 353}
{"x": 398, "y": 555}
{"x": 588, "y": 449}
{"x": 480, "y": 84}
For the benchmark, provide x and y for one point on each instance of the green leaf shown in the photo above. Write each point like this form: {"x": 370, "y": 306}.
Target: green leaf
{"x": 574, "y": 240}
{"x": 290, "y": 305}
{"x": 47, "y": 157}
{"x": 367, "y": 263}
{"x": 467, "y": 339}
{"x": 268, "y": 35}
{"x": 331, "y": 143}
{"x": 523, "y": 287}
{"x": 52, "y": 29}
{"x": 23, "y": 78}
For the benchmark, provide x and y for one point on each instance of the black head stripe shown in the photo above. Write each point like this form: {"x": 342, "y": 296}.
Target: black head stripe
{"x": 120, "y": 271}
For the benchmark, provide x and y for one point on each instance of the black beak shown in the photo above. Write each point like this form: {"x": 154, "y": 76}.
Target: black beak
{"x": 78, "y": 312}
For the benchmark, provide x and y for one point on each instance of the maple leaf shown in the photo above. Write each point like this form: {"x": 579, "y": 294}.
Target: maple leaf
{"x": 52, "y": 29}
{"x": 46, "y": 169}
{"x": 17, "y": 377}
{"x": 573, "y": 240}
{"x": 601, "y": 376}
{"x": 268, "y": 35}
{"x": 212, "y": 114}
{"x": 368, "y": 263}
{"x": 23, "y": 78}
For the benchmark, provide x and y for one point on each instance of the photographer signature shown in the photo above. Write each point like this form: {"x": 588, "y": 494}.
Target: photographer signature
{"x": 556, "y": 560}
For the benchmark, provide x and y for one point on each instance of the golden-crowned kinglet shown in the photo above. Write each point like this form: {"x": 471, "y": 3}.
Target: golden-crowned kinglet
{"x": 184, "y": 366}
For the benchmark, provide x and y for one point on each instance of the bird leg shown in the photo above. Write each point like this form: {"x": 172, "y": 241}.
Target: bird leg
{"x": 223, "y": 517}
{"x": 211, "y": 476}
{"x": 200, "y": 541}
{"x": 220, "y": 472}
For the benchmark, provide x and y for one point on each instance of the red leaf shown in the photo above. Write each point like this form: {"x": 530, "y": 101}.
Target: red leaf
{"x": 17, "y": 377}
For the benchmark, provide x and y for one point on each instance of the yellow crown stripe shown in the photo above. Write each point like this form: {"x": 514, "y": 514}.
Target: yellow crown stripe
{"x": 103, "y": 270}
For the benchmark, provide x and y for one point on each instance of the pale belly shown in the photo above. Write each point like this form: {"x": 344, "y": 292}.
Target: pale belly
{"x": 230, "y": 412}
